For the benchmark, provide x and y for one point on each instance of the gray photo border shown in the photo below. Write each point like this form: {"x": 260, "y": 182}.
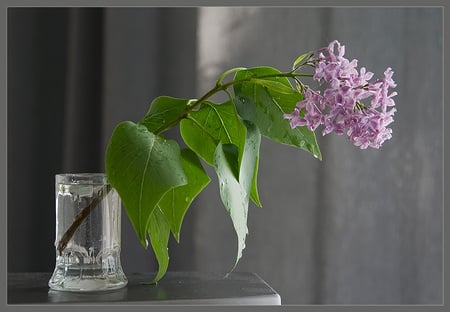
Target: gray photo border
{"x": 193, "y": 3}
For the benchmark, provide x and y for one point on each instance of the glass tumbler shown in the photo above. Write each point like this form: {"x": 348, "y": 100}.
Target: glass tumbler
{"x": 88, "y": 220}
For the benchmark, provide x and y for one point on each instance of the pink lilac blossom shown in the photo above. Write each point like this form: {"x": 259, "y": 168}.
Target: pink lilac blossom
{"x": 340, "y": 109}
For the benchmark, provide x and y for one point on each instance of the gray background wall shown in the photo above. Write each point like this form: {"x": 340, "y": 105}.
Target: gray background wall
{"x": 359, "y": 227}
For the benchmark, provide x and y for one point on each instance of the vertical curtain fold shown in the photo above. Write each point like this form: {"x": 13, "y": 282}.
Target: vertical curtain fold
{"x": 37, "y": 48}
{"x": 83, "y": 101}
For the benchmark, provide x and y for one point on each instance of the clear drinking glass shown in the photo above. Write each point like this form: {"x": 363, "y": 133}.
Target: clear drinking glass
{"x": 88, "y": 220}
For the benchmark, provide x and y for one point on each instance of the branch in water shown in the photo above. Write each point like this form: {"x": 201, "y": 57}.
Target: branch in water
{"x": 80, "y": 217}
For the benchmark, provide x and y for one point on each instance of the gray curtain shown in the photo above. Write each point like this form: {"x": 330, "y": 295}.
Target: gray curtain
{"x": 73, "y": 74}
{"x": 358, "y": 227}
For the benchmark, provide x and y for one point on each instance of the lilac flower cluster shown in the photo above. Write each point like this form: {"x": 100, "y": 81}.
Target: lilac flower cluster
{"x": 340, "y": 109}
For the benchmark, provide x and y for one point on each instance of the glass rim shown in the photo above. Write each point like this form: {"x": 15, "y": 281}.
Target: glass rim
{"x": 81, "y": 178}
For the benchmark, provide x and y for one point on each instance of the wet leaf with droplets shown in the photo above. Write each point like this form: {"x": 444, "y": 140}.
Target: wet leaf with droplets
{"x": 265, "y": 106}
{"x": 250, "y": 160}
{"x": 159, "y": 232}
{"x": 212, "y": 124}
{"x": 235, "y": 189}
{"x": 144, "y": 167}
{"x": 176, "y": 202}
{"x": 164, "y": 112}
{"x": 231, "y": 193}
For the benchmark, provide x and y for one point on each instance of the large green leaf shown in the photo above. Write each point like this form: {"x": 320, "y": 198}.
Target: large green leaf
{"x": 142, "y": 167}
{"x": 235, "y": 189}
{"x": 175, "y": 202}
{"x": 232, "y": 193}
{"x": 164, "y": 113}
{"x": 266, "y": 103}
{"x": 211, "y": 124}
{"x": 159, "y": 232}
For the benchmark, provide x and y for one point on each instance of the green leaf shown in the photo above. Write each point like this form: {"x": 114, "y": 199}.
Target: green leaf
{"x": 175, "y": 202}
{"x": 164, "y": 113}
{"x": 301, "y": 58}
{"x": 226, "y": 73}
{"x": 142, "y": 167}
{"x": 274, "y": 86}
{"x": 233, "y": 196}
{"x": 254, "y": 195}
{"x": 235, "y": 190}
{"x": 250, "y": 161}
{"x": 159, "y": 232}
{"x": 211, "y": 124}
{"x": 265, "y": 107}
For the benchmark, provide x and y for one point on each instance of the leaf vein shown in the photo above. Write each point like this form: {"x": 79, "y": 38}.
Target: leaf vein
{"x": 142, "y": 184}
{"x": 221, "y": 122}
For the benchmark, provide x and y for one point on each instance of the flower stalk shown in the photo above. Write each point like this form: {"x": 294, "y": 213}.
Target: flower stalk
{"x": 220, "y": 86}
